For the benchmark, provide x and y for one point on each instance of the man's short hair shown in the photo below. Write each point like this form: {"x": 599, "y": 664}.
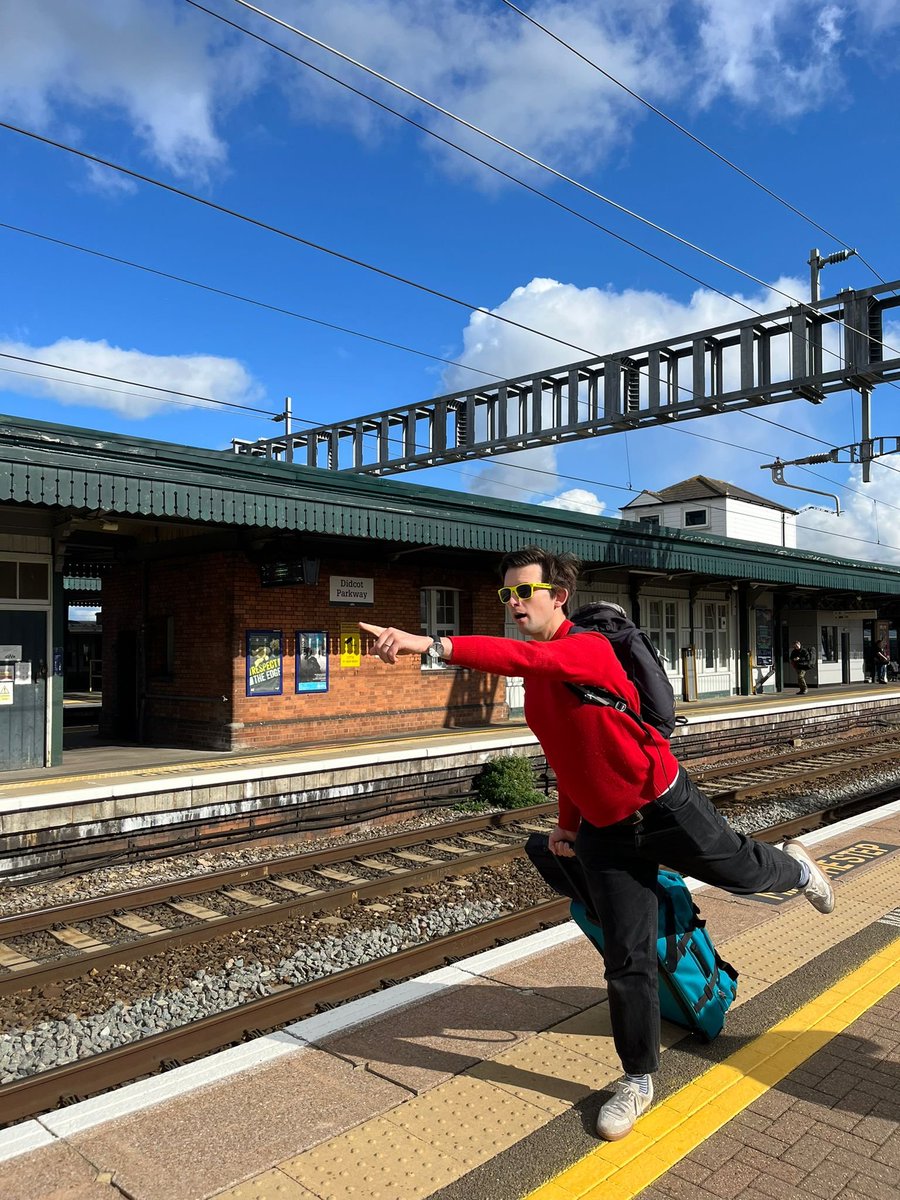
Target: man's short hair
{"x": 559, "y": 569}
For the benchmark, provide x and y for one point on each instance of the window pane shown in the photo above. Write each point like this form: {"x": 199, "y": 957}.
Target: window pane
{"x": 33, "y": 581}
{"x": 8, "y": 589}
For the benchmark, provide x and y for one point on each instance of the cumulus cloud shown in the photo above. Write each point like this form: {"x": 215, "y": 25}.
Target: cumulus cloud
{"x": 608, "y": 321}
{"x": 221, "y": 379}
{"x": 577, "y": 500}
{"x": 868, "y": 528}
{"x": 173, "y": 73}
{"x": 494, "y": 69}
{"x": 166, "y": 70}
{"x": 782, "y": 56}
{"x": 602, "y": 321}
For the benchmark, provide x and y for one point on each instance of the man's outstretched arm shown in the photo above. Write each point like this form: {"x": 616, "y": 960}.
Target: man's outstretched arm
{"x": 390, "y": 642}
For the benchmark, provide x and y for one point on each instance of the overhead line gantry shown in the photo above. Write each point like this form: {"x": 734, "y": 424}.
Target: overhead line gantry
{"x": 750, "y": 363}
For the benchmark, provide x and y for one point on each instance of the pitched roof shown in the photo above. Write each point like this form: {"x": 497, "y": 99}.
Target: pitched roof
{"x": 702, "y": 487}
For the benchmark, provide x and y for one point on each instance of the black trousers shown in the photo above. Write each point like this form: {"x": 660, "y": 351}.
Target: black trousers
{"x": 684, "y": 831}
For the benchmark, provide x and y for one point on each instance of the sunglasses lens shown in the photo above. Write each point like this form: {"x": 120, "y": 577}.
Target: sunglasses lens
{"x": 505, "y": 594}
{"x": 524, "y": 591}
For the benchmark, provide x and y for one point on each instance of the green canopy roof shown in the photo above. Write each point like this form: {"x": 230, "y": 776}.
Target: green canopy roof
{"x": 82, "y": 471}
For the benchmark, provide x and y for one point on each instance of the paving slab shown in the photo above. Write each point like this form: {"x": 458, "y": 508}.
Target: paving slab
{"x": 54, "y": 1172}
{"x": 425, "y": 1045}
{"x": 212, "y": 1139}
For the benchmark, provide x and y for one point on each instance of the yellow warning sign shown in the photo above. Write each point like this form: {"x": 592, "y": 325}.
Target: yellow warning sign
{"x": 350, "y": 647}
{"x": 7, "y": 691}
{"x": 838, "y": 863}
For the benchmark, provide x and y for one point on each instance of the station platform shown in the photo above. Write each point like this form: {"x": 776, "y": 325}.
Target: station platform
{"x": 482, "y": 1081}
{"x": 89, "y": 761}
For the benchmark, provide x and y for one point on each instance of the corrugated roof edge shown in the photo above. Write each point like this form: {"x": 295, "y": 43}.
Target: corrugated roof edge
{"x": 122, "y": 457}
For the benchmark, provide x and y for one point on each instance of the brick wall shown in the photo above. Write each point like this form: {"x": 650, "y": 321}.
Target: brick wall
{"x": 214, "y": 599}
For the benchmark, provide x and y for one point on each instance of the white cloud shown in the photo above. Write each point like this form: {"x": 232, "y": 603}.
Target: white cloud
{"x": 493, "y": 68}
{"x": 868, "y": 528}
{"x": 173, "y": 73}
{"x": 161, "y": 66}
{"x": 783, "y": 57}
{"x": 222, "y": 379}
{"x": 577, "y": 500}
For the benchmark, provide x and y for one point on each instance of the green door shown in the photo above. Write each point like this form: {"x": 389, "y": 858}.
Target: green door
{"x": 23, "y": 704}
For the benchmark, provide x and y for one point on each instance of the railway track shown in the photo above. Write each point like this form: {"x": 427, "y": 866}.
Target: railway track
{"x": 462, "y": 848}
{"x": 74, "y": 1081}
{"x": 763, "y": 776}
{"x": 156, "y": 919}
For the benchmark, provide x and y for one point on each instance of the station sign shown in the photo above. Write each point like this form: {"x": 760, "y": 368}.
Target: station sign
{"x": 349, "y": 589}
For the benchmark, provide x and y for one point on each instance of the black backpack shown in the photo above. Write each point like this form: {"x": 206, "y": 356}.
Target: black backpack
{"x": 641, "y": 664}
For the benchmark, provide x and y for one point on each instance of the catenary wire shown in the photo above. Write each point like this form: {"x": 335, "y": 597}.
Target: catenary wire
{"x": 294, "y": 237}
{"x": 258, "y": 223}
{"x": 208, "y": 287}
{"x": 153, "y": 387}
{"x": 484, "y": 162}
{"x": 497, "y": 141}
{"x": 688, "y": 133}
{"x": 210, "y": 406}
{"x": 400, "y": 87}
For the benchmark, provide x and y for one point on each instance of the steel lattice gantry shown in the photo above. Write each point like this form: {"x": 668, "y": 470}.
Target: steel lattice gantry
{"x": 801, "y": 352}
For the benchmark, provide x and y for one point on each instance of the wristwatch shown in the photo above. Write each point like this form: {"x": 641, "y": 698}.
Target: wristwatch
{"x": 436, "y": 650}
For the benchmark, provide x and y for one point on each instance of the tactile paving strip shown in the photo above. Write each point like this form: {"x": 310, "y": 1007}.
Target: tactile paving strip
{"x": 376, "y": 1161}
{"x": 273, "y": 1185}
{"x": 472, "y": 1121}
{"x": 438, "y": 1136}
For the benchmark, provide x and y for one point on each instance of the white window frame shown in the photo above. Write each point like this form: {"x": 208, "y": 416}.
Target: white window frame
{"x": 440, "y": 624}
{"x": 704, "y": 524}
{"x": 719, "y": 632}
{"x": 660, "y": 621}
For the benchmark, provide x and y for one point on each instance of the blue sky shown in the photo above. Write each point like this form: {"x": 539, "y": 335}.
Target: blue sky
{"x": 803, "y": 95}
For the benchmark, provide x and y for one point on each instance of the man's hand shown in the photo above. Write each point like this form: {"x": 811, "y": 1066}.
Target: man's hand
{"x": 560, "y": 842}
{"x": 389, "y": 643}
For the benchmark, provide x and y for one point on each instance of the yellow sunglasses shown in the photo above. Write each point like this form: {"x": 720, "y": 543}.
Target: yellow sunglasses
{"x": 524, "y": 591}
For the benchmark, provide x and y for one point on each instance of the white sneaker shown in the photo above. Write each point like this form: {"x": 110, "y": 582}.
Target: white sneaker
{"x": 818, "y": 890}
{"x": 618, "y": 1115}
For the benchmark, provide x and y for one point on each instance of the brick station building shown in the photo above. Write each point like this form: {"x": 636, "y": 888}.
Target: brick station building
{"x": 231, "y": 587}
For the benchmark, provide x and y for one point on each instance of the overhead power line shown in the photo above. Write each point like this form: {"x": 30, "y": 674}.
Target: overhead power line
{"x": 470, "y": 154}
{"x": 208, "y": 287}
{"x": 153, "y": 387}
{"x": 293, "y": 237}
{"x": 687, "y": 132}
{"x": 504, "y": 145}
{"x": 490, "y": 137}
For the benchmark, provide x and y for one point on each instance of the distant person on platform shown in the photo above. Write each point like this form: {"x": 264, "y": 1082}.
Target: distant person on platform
{"x": 625, "y": 804}
{"x": 799, "y": 657}
{"x": 882, "y": 661}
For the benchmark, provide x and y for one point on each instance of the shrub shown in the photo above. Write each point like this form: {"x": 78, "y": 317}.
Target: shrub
{"x": 507, "y": 782}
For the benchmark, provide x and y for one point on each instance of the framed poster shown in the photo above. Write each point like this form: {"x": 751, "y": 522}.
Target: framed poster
{"x": 311, "y": 673}
{"x": 264, "y": 662}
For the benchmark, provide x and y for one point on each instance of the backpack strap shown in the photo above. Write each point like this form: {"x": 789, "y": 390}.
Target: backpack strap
{"x": 592, "y": 693}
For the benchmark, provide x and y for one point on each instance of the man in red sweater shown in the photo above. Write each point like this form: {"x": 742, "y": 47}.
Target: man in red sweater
{"x": 625, "y": 803}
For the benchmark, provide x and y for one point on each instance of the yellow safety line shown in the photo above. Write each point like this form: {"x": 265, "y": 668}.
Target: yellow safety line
{"x": 621, "y": 1170}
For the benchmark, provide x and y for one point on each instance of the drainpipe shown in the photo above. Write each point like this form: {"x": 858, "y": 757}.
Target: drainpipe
{"x": 742, "y": 596}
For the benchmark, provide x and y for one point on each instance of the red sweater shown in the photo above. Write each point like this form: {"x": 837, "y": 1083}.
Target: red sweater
{"x": 606, "y": 766}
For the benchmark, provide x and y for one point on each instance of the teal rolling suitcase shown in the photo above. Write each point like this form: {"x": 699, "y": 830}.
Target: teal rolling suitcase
{"x": 696, "y": 986}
